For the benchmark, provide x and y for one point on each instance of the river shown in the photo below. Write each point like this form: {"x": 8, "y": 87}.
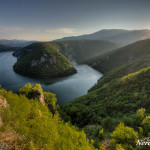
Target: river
{"x": 65, "y": 88}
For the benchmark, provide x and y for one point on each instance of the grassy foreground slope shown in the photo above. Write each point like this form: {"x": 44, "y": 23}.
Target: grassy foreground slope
{"x": 43, "y": 60}
{"x": 33, "y": 126}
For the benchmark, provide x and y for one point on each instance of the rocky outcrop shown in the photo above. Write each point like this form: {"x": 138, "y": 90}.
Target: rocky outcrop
{"x": 3, "y": 102}
{"x": 40, "y": 97}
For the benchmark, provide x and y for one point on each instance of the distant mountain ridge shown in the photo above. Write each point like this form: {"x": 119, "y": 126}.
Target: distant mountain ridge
{"x": 118, "y": 36}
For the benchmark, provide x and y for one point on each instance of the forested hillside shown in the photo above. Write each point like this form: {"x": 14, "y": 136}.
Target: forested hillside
{"x": 123, "y": 100}
{"x": 122, "y": 61}
{"x": 43, "y": 60}
{"x": 82, "y": 50}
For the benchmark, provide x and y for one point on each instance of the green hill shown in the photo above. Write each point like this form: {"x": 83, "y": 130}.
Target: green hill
{"x": 119, "y": 100}
{"x": 26, "y": 124}
{"x": 43, "y": 60}
{"x": 118, "y": 57}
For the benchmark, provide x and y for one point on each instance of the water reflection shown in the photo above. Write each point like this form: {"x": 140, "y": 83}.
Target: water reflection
{"x": 66, "y": 88}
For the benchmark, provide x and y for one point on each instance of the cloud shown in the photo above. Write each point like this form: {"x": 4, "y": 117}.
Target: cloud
{"x": 6, "y": 29}
{"x": 61, "y": 31}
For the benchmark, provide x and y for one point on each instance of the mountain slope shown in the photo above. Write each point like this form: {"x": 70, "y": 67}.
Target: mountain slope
{"x": 122, "y": 61}
{"x": 119, "y": 36}
{"x": 43, "y": 60}
{"x": 121, "y": 56}
{"x": 116, "y": 105}
{"x": 82, "y": 50}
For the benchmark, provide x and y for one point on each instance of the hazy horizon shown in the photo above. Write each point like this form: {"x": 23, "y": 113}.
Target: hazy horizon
{"x": 49, "y": 20}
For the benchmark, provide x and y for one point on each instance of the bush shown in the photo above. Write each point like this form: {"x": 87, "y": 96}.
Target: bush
{"x": 146, "y": 124}
{"x": 141, "y": 113}
{"x": 125, "y": 135}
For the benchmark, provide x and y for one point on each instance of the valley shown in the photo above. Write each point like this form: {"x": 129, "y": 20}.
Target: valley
{"x": 99, "y": 105}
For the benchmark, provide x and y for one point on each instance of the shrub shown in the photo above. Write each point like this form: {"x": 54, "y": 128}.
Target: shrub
{"x": 124, "y": 134}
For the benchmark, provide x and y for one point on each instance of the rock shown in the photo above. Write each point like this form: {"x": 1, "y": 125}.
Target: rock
{"x": 3, "y": 102}
{"x": 40, "y": 113}
{"x": 39, "y": 95}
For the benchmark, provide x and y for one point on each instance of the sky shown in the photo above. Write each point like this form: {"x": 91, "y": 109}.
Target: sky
{"x": 46, "y": 20}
